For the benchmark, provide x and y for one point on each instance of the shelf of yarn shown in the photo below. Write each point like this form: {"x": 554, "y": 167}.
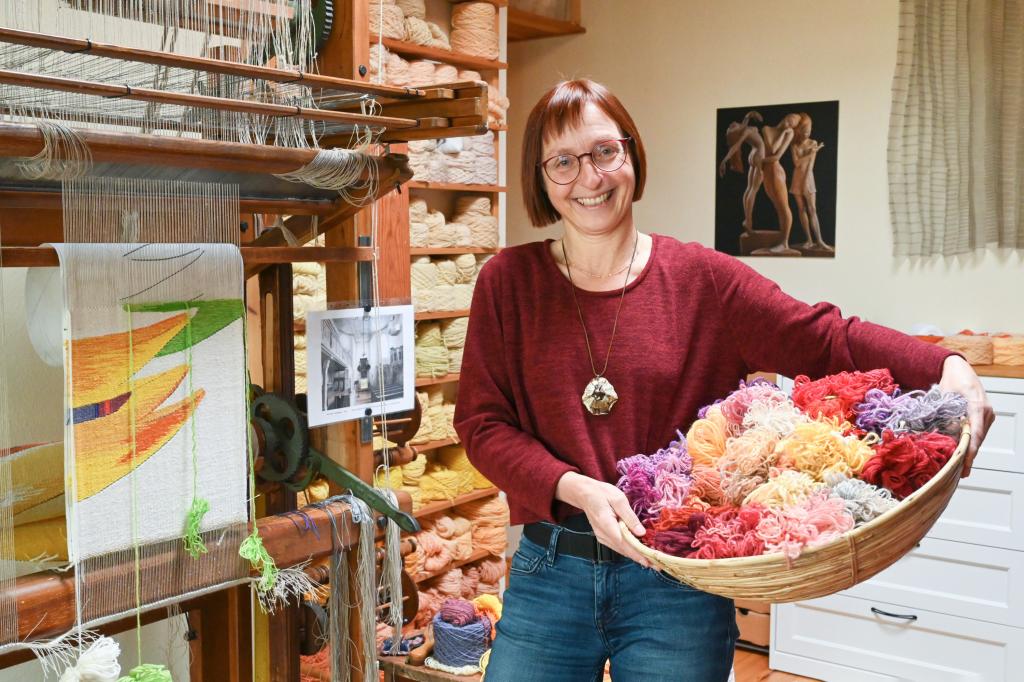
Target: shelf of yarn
{"x": 444, "y": 505}
{"x": 451, "y": 250}
{"x": 442, "y": 315}
{"x": 455, "y": 187}
{"x": 434, "y": 381}
{"x": 435, "y": 444}
{"x": 414, "y": 51}
{"x": 477, "y": 555}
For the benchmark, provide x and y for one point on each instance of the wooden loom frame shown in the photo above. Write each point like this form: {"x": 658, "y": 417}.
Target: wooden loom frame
{"x": 223, "y": 621}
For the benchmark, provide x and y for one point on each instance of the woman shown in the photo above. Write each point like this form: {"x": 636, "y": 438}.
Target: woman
{"x": 653, "y": 329}
{"x": 804, "y": 151}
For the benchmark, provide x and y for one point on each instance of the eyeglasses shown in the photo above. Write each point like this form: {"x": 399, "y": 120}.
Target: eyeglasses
{"x": 606, "y": 156}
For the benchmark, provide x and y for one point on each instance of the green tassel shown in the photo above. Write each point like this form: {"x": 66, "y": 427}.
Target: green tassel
{"x": 194, "y": 544}
{"x": 148, "y": 672}
{"x": 253, "y": 551}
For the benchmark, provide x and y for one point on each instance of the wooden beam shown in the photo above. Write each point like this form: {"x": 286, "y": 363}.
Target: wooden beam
{"x": 132, "y": 54}
{"x": 46, "y": 256}
{"x": 84, "y": 87}
{"x": 21, "y": 140}
{"x": 50, "y": 200}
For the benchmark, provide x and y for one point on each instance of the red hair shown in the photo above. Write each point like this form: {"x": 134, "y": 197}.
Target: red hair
{"x": 561, "y": 107}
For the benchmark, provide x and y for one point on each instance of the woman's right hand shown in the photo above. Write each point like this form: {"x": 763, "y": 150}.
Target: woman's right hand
{"x": 605, "y": 505}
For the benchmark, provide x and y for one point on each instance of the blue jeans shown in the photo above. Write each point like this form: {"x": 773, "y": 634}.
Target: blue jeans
{"x": 565, "y": 616}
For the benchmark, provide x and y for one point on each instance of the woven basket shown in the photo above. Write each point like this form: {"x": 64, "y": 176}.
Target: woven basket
{"x": 825, "y": 569}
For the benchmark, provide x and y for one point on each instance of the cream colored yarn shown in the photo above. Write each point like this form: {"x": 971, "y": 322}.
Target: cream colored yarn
{"x": 976, "y": 349}
{"x": 475, "y": 213}
{"x": 431, "y": 353}
{"x": 474, "y": 164}
{"x": 424, "y": 273}
{"x": 454, "y": 332}
{"x": 1008, "y": 350}
{"x": 388, "y": 19}
{"x": 413, "y": 8}
{"x": 445, "y": 73}
{"x": 465, "y": 268}
{"x": 474, "y": 29}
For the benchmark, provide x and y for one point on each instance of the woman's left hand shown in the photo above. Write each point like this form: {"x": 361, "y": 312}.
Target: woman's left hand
{"x": 959, "y": 376}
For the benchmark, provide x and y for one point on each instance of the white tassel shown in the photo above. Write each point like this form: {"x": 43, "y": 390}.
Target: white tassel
{"x": 98, "y": 663}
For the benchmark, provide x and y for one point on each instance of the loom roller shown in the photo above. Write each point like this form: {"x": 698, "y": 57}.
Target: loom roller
{"x": 284, "y": 455}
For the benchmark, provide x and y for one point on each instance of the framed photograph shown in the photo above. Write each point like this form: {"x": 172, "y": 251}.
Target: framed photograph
{"x": 359, "y": 363}
{"x": 775, "y": 189}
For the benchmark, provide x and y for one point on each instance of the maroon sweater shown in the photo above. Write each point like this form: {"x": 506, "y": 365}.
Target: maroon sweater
{"x": 693, "y": 324}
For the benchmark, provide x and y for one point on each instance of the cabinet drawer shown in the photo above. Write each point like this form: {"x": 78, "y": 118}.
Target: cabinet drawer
{"x": 983, "y": 583}
{"x": 986, "y": 509}
{"x": 842, "y": 634}
{"x": 1003, "y": 448}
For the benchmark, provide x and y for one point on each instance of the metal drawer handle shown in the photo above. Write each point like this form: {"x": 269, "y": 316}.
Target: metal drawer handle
{"x": 902, "y": 616}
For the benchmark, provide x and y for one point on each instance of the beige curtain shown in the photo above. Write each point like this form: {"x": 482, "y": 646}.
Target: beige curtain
{"x": 956, "y": 133}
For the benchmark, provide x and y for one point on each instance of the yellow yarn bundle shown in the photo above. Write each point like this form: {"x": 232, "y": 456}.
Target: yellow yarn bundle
{"x": 1008, "y": 350}
{"x": 819, "y": 447}
{"x": 454, "y": 457}
{"x": 414, "y": 470}
{"x": 390, "y": 479}
{"x": 439, "y": 483}
{"x": 431, "y": 353}
{"x": 415, "y": 493}
{"x": 454, "y": 332}
{"x": 787, "y": 488}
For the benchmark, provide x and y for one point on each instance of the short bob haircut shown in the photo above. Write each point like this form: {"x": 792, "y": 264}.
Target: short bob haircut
{"x": 561, "y": 107}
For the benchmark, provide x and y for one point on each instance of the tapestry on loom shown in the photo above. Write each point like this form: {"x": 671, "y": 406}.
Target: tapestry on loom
{"x": 155, "y": 417}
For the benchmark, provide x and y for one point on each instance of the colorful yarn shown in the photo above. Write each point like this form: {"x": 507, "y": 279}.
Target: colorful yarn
{"x": 729, "y": 532}
{"x": 148, "y": 672}
{"x": 903, "y": 463}
{"x": 460, "y": 635}
{"x": 818, "y": 447}
{"x": 864, "y": 501}
{"x": 817, "y": 520}
{"x": 734, "y": 407}
{"x": 784, "y": 488}
{"x": 707, "y": 484}
{"x": 835, "y": 396}
{"x": 934, "y": 410}
{"x": 705, "y": 441}
{"x": 675, "y": 529}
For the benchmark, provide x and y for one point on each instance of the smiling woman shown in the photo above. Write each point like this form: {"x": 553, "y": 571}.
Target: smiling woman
{"x": 588, "y": 349}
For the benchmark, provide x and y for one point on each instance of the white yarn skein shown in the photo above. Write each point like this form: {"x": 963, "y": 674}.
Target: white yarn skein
{"x": 98, "y": 663}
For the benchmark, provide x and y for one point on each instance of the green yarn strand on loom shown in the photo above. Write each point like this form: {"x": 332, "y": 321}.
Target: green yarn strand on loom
{"x": 193, "y": 539}
{"x": 148, "y": 672}
{"x": 253, "y": 551}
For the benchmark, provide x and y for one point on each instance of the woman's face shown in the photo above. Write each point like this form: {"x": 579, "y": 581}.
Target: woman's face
{"x": 596, "y": 202}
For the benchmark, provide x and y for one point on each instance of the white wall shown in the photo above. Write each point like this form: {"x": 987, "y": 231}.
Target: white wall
{"x": 674, "y": 62}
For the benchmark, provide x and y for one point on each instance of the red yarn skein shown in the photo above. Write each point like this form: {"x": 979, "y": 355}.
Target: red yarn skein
{"x": 834, "y": 396}
{"x": 906, "y": 462}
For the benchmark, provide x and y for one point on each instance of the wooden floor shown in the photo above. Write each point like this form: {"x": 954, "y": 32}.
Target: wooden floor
{"x": 753, "y": 667}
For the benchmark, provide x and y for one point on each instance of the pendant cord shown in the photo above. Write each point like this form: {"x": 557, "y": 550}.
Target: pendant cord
{"x": 579, "y": 310}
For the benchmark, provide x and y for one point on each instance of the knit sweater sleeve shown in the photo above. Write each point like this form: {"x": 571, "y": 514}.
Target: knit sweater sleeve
{"x": 774, "y": 332}
{"x": 486, "y": 417}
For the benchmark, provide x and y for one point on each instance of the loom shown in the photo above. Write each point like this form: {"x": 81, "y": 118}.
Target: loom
{"x": 264, "y": 97}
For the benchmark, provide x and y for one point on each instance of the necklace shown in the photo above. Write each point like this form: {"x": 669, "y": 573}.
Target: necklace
{"x": 599, "y": 395}
{"x": 592, "y": 275}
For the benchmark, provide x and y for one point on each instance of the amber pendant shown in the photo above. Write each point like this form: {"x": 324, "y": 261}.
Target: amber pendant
{"x": 599, "y": 396}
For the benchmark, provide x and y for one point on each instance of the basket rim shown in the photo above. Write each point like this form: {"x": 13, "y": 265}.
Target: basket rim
{"x": 955, "y": 461}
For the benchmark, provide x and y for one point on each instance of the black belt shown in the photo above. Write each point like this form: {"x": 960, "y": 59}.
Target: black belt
{"x": 582, "y": 545}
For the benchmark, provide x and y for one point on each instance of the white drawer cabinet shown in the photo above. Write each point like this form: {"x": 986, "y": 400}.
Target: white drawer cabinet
{"x": 859, "y": 642}
{"x": 960, "y": 592}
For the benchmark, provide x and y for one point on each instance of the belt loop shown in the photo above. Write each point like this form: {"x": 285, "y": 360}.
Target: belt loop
{"x": 552, "y": 553}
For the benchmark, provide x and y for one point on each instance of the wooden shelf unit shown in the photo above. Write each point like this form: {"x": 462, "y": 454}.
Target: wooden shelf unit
{"x": 455, "y": 187}
{"x": 443, "y": 315}
{"x": 435, "y": 507}
{"x": 436, "y": 381}
{"x": 451, "y": 250}
{"x": 414, "y": 51}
